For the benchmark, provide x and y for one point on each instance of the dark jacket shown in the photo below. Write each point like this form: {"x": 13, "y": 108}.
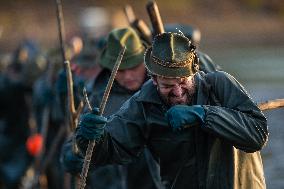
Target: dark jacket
{"x": 14, "y": 130}
{"x": 222, "y": 153}
{"x": 120, "y": 176}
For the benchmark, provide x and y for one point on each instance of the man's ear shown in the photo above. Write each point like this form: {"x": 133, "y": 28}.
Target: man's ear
{"x": 154, "y": 78}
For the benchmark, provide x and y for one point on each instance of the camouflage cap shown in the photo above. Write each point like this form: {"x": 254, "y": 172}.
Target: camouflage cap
{"x": 171, "y": 55}
{"x": 117, "y": 39}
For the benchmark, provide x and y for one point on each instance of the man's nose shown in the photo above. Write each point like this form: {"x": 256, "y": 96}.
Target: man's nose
{"x": 178, "y": 91}
{"x": 128, "y": 74}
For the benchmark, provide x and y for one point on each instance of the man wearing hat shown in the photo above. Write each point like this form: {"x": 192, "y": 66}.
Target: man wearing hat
{"x": 203, "y": 129}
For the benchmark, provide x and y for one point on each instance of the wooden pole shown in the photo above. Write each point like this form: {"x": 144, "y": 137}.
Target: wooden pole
{"x": 271, "y": 104}
{"x": 91, "y": 144}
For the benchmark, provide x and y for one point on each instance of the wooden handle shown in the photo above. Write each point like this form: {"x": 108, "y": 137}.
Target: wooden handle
{"x": 129, "y": 13}
{"x": 143, "y": 30}
{"x": 155, "y": 17}
{"x": 92, "y": 144}
{"x": 271, "y": 104}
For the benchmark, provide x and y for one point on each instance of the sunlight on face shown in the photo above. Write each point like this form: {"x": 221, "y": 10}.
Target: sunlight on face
{"x": 175, "y": 91}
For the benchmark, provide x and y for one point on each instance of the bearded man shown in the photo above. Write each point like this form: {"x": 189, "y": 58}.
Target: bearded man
{"x": 203, "y": 129}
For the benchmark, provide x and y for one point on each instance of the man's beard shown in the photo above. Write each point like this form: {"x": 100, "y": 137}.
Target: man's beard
{"x": 171, "y": 100}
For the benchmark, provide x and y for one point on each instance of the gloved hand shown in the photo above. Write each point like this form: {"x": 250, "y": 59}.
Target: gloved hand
{"x": 180, "y": 116}
{"x": 91, "y": 125}
{"x": 73, "y": 163}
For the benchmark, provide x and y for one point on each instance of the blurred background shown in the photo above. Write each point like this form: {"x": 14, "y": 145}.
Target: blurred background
{"x": 244, "y": 37}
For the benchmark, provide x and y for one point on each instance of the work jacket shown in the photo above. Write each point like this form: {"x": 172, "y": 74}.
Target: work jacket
{"x": 225, "y": 147}
{"x": 120, "y": 176}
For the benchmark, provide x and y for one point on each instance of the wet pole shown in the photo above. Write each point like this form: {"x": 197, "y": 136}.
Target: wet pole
{"x": 91, "y": 145}
{"x": 61, "y": 33}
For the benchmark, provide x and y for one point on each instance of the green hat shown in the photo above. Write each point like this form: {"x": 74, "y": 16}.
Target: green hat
{"x": 116, "y": 40}
{"x": 171, "y": 55}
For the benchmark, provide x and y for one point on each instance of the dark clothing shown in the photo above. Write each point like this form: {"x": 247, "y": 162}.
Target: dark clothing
{"x": 118, "y": 176}
{"x": 50, "y": 100}
{"x": 46, "y": 106}
{"x": 14, "y": 131}
{"x": 221, "y": 153}
{"x": 14, "y": 110}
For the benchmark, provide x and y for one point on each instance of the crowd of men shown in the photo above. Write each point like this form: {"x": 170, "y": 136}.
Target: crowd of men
{"x": 173, "y": 119}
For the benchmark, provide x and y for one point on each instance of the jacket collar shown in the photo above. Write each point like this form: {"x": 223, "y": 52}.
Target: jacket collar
{"x": 203, "y": 87}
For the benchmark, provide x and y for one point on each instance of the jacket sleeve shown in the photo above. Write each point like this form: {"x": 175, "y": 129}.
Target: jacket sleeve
{"x": 124, "y": 136}
{"x": 238, "y": 119}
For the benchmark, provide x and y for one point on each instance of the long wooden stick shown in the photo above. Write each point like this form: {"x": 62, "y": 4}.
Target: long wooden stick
{"x": 271, "y": 104}
{"x": 91, "y": 144}
{"x": 70, "y": 93}
{"x": 61, "y": 29}
{"x": 86, "y": 99}
{"x": 129, "y": 13}
{"x": 138, "y": 24}
{"x": 61, "y": 33}
{"x": 143, "y": 30}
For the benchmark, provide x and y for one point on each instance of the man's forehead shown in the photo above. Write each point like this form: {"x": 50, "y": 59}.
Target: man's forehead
{"x": 173, "y": 80}
{"x": 133, "y": 68}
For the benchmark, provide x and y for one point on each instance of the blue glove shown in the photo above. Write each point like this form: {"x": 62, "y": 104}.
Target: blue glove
{"x": 91, "y": 125}
{"x": 73, "y": 163}
{"x": 180, "y": 116}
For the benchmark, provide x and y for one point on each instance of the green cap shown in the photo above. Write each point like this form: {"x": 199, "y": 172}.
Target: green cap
{"x": 171, "y": 55}
{"x": 116, "y": 40}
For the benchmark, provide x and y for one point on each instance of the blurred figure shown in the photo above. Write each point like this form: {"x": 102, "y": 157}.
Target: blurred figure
{"x": 33, "y": 63}
{"x": 130, "y": 77}
{"x": 4, "y": 62}
{"x": 85, "y": 66}
{"x": 26, "y": 65}
{"x": 44, "y": 97}
{"x": 95, "y": 24}
{"x": 14, "y": 126}
{"x": 76, "y": 44}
